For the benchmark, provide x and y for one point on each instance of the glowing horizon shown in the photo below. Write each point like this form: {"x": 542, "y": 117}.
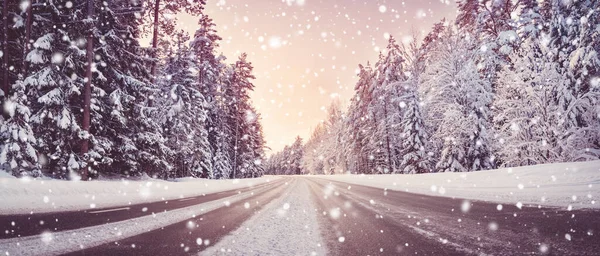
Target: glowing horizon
{"x": 306, "y": 52}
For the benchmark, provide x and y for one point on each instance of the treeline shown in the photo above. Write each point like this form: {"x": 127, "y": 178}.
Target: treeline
{"x": 507, "y": 84}
{"x": 82, "y": 97}
{"x": 288, "y": 161}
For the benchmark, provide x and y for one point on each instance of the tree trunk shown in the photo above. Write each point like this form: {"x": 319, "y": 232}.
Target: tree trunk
{"x": 27, "y": 37}
{"x": 235, "y": 150}
{"x": 387, "y": 137}
{"x": 155, "y": 39}
{"x": 87, "y": 91}
{"x": 5, "y": 85}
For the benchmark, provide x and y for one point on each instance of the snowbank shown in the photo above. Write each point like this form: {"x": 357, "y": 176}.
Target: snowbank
{"x": 569, "y": 185}
{"x": 26, "y": 195}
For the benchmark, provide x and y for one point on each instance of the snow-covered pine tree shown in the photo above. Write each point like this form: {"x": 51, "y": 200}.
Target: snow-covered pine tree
{"x": 431, "y": 39}
{"x": 204, "y": 44}
{"x": 11, "y": 41}
{"x": 414, "y": 154}
{"x": 4, "y": 77}
{"x": 161, "y": 15}
{"x": 55, "y": 119}
{"x": 48, "y": 86}
{"x": 333, "y": 161}
{"x": 295, "y": 157}
{"x": 386, "y": 107}
{"x": 214, "y": 77}
{"x": 529, "y": 114}
{"x": 124, "y": 137}
{"x": 573, "y": 37}
{"x": 253, "y": 156}
{"x": 358, "y": 123}
{"x": 221, "y": 164}
{"x": 457, "y": 99}
{"x": 489, "y": 24}
{"x": 223, "y": 111}
{"x": 241, "y": 116}
{"x": 18, "y": 155}
{"x": 312, "y": 160}
{"x": 185, "y": 114}
{"x": 414, "y": 157}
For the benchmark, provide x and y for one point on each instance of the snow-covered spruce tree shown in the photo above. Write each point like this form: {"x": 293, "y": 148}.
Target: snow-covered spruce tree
{"x": 414, "y": 157}
{"x": 18, "y": 155}
{"x": 414, "y": 154}
{"x": 254, "y": 144}
{"x": 54, "y": 118}
{"x": 426, "y": 92}
{"x": 358, "y": 123}
{"x": 221, "y": 164}
{"x": 490, "y": 25}
{"x": 431, "y": 39}
{"x": 333, "y": 161}
{"x": 161, "y": 14}
{"x": 312, "y": 160}
{"x": 241, "y": 117}
{"x": 222, "y": 117}
{"x": 214, "y": 77}
{"x": 453, "y": 155}
{"x": 185, "y": 114}
{"x": 295, "y": 157}
{"x": 204, "y": 44}
{"x": 573, "y": 37}
{"x": 124, "y": 137}
{"x": 529, "y": 119}
{"x": 385, "y": 107}
{"x": 530, "y": 24}
{"x": 11, "y": 45}
{"x": 457, "y": 99}
{"x": 54, "y": 86}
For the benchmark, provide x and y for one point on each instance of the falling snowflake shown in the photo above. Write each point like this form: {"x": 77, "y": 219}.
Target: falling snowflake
{"x": 335, "y": 213}
{"x": 465, "y": 206}
{"x": 382, "y": 8}
{"x": 190, "y": 224}
{"x": 493, "y": 226}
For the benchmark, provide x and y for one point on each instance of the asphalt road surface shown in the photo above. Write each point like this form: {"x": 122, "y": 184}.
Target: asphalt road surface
{"x": 352, "y": 219}
{"x": 32, "y": 224}
{"x": 383, "y": 222}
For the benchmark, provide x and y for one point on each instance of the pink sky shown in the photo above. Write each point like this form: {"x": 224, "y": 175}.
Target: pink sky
{"x": 306, "y": 52}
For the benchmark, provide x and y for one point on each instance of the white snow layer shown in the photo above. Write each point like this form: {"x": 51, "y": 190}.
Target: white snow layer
{"x": 26, "y": 195}
{"x": 286, "y": 226}
{"x": 570, "y": 185}
{"x": 58, "y": 243}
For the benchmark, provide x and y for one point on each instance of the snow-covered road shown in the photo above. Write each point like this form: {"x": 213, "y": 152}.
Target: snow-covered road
{"x": 304, "y": 215}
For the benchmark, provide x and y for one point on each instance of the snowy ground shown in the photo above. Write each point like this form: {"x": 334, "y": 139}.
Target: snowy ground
{"x": 569, "y": 185}
{"x": 26, "y": 195}
{"x": 286, "y": 226}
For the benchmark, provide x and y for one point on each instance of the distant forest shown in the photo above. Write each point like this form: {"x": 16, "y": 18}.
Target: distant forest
{"x": 508, "y": 83}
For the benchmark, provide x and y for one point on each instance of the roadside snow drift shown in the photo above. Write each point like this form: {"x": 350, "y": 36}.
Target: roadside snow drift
{"x": 26, "y": 195}
{"x": 569, "y": 185}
